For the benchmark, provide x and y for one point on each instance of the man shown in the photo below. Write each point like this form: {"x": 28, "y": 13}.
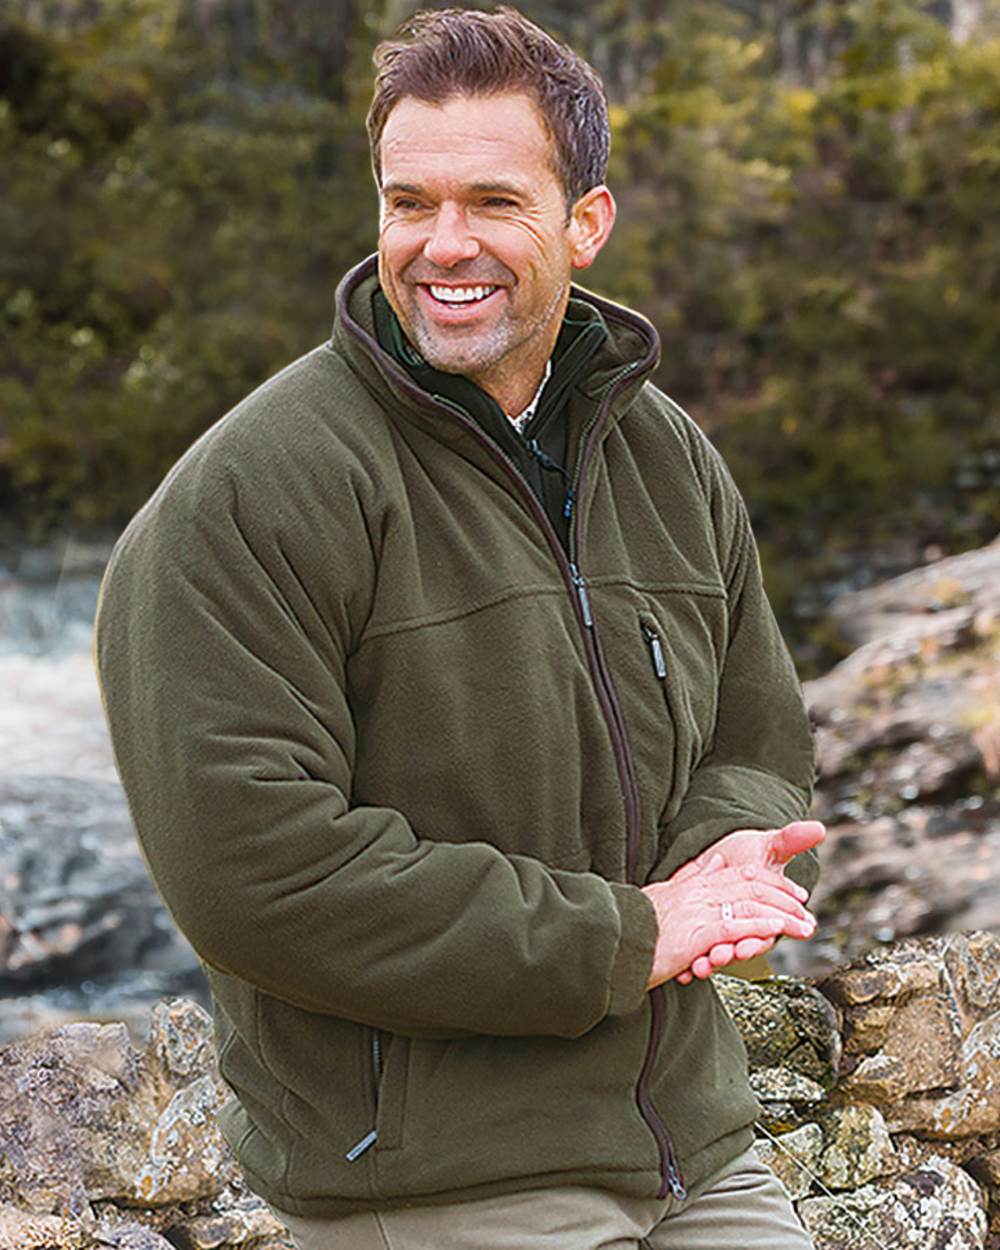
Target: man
{"x": 454, "y": 723}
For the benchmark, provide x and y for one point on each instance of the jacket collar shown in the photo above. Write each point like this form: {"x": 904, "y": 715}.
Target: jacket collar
{"x": 625, "y": 360}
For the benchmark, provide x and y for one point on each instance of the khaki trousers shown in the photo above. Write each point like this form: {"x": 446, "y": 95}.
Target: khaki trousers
{"x": 742, "y": 1207}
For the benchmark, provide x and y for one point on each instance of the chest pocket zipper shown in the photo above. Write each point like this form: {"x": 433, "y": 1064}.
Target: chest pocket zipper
{"x": 649, "y": 627}
{"x": 655, "y": 649}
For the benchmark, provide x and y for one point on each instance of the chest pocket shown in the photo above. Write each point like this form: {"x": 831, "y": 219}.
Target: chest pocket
{"x": 684, "y": 639}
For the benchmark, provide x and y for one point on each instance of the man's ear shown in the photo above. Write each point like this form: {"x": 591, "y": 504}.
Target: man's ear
{"x": 590, "y": 224}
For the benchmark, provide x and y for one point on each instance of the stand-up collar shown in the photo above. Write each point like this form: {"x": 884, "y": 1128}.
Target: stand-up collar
{"x": 630, "y": 349}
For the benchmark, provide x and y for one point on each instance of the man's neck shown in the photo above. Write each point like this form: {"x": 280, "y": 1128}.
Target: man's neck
{"x": 521, "y": 419}
{"x": 514, "y": 389}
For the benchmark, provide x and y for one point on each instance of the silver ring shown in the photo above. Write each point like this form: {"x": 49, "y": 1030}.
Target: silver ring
{"x": 727, "y": 911}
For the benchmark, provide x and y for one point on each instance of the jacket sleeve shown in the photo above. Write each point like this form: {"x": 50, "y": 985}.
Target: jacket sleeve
{"x": 759, "y": 771}
{"x": 221, "y": 639}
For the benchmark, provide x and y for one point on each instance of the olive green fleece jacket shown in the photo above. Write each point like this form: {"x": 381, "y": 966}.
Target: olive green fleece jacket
{"x": 398, "y": 767}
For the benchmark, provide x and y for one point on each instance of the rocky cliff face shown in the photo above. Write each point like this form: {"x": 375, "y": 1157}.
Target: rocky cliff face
{"x": 879, "y": 1088}
{"x": 908, "y": 742}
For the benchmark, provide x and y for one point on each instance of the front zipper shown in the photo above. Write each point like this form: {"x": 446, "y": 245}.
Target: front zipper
{"x": 671, "y": 1180}
{"x": 370, "y": 1138}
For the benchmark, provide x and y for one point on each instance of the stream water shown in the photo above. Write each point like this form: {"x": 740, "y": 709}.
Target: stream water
{"x": 67, "y": 852}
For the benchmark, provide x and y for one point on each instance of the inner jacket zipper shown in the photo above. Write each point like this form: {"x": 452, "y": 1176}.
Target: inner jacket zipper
{"x": 672, "y": 1182}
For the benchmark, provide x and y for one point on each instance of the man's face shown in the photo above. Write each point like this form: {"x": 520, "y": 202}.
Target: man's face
{"x": 475, "y": 251}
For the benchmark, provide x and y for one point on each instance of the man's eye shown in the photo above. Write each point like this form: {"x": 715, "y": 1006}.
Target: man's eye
{"x": 405, "y": 205}
{"x": 499, "y": 201}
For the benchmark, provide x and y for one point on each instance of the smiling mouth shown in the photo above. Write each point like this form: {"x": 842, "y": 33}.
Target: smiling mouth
{"x": 452, "y": 296}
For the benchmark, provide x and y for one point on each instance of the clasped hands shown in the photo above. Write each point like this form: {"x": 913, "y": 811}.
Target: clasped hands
{"x": 731, "y": 902}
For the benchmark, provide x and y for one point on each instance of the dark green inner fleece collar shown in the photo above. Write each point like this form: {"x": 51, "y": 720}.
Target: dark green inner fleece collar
{"x": 542, "y": 452}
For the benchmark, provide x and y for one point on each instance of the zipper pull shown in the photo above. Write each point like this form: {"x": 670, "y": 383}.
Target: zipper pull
{"x": 568, "y": 505}
{"x": 581, "y": 592}
{"x": 543, "y": 458}
{"x": 674, "y": 1180}
{"x": 359, "y": 1148}
{"x": 656, "y": 650}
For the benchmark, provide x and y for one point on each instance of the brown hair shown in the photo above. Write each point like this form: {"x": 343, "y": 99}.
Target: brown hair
{"x": 437, "y": 54}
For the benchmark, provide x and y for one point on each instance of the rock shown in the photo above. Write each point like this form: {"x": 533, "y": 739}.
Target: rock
{"x": 987, "y": 1167}
{"x": 857, "y": 1147}
{"x": 76, "y": 901}
{"x": 107, "y": 1143}
{"x": 20, "y": 1230}
{"x": 25, "y": 1230}
{"x": 910, "y": 967}
{"x": 964, "y": 964}
{"x": 962, "y": 585}
{"x": 256, "y": 1228}
{"x": 973, "y": 962}
{"x": 127, "y": 998}
{"x": 133, "y": 1237}
{"x": 784, "y": 1024}
{"x": 970, "y": 1153}
{"x": 908, "y": 746}
{"x": 973, "y": 1108}
{"x": 788, "y": 1099}
{"x": 793, "y": 1157}
{"x": 977, "y": 1155}
{"x": 867, "y": 1027}
{"x": 920, "y": 1052}
{"x": 934, "y": 1205}
{"x": 931, "y": 1003}
{"x": 86, "y": 1115}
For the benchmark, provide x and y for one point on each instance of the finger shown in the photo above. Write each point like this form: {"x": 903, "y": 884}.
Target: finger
{"x": 702, "y": 968}
{"x": 750, "y": 948}
{"x": 708, "y": 860}
{"x": 767, "y": 895}
{"x": 794, "y": 838}
{"x": 767, "y": 923}
{"x": 721, "y": 954}
{"x": 747, "y": 880}
{"x": 725, "y": 953}
{"x": 692, "y": 868}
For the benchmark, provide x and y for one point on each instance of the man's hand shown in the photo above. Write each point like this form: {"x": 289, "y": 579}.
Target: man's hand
{"x": 753, "y": 850}
{"x": 731, "y": 902}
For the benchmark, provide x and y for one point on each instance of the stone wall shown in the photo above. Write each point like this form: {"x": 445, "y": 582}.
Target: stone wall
{"x": 880, "y": 1090}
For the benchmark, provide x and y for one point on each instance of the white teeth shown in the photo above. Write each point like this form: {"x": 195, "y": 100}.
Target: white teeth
{"x": 461, "y": 294}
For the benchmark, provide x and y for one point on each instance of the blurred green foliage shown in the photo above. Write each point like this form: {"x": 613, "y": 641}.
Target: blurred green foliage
{"x": 808, "y": 200}
{"x": 171, "y": 229}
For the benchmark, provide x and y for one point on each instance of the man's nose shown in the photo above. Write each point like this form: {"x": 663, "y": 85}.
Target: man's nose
{"x": 450, "y": 239}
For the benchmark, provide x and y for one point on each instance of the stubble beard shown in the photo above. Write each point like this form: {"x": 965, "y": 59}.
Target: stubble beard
{"x": 484, "y": 350}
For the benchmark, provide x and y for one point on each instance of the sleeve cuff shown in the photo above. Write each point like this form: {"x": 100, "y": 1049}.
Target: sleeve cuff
{"x": 633, "y": 961}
